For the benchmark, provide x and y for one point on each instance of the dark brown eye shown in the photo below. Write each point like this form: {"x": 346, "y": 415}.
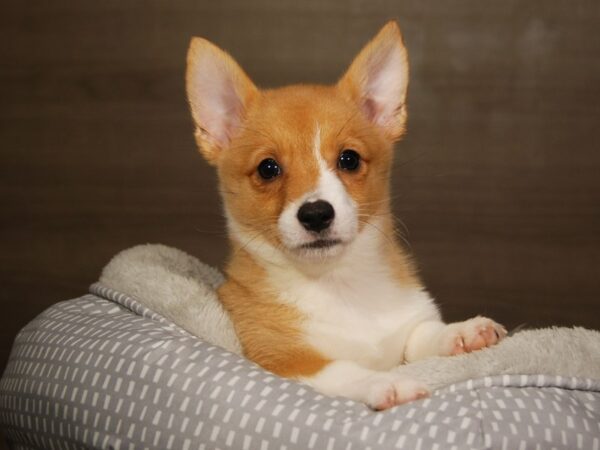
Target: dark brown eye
{"x": 349, "y": 160}
{"x": 268, "y": 169}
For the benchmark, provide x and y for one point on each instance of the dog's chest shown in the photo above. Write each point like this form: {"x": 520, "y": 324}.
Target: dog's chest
{"x": 362, "y": 317}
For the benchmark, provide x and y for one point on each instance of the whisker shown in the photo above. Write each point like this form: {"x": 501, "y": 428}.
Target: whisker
{"x": 402, "y": 233}
{"x": 248, "y": 242}
{"x": 347, "y": 122}
{"x": 366, "y": 222}
{"x": 223, "y": 191}
{"x": 404, "y": 227}
{"x": 258, "y": 132}
{"x": 420, "y": 154}
{"x": 383, "y": 200}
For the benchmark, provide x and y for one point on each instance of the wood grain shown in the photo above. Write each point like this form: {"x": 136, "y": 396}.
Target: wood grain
{"x": 498, "y": 180}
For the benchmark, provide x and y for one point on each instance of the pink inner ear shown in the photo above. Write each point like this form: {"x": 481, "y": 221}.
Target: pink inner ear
{"x": 232, "y": 113}
{"x": 219, "y": 107}
{"x": 384, "y": 84}
{"x": 215, "y": 92}
{"x": 369, "y": 108}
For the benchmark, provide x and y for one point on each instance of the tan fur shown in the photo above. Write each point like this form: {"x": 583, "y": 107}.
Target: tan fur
{"x": 268, "y": 330}
{"x": 314, "y": 252}
{"x": 276, "y": 126}
{"x": 280, "y": 124}
{"x": 201, "y": 49}
{"x": 351, "y": 83}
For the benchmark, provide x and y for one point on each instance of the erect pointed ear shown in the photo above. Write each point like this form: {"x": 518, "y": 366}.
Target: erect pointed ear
{"x": 378, "y": 78}
{"x": 219, "y": 92}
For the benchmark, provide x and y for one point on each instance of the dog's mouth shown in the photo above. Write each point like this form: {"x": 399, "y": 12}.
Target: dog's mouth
{"x": 320, "y": 244}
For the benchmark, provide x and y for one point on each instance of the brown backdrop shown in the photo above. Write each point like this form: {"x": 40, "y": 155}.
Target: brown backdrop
{"x": 498, "y": 180}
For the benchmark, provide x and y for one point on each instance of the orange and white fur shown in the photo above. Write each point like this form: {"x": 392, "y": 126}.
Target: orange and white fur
{"x": 317, "y": 287}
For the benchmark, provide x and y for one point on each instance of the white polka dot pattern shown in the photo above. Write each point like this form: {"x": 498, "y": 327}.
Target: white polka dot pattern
{"x": 101, "y": 371}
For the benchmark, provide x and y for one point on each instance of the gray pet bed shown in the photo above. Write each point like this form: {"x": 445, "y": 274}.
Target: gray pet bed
{"x": 116, "y": 369}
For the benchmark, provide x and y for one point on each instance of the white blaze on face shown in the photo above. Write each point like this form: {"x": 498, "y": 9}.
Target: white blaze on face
{"x": 330, "y": 189}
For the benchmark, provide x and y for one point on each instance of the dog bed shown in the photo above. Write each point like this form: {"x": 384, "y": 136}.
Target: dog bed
{"x": 148, "y": 359}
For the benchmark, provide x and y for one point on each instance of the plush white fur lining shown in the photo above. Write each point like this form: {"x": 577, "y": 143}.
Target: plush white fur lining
{"x": 182, "y": 289}
{"x": 569, "y": 352}
{"x": 175, "y": 285}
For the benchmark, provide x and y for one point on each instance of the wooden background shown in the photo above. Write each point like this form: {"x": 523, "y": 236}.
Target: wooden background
{"x": 498, "y": 180}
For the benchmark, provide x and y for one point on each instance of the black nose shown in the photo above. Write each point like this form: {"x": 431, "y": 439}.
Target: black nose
{"x": 316, "y": 216}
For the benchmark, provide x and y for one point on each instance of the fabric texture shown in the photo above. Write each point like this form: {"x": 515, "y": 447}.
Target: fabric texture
{"x": 133, "y": 368}
{"x": 175, "y": 285}
{"x": 103, "y": 371}
{"x": 182, "y": 289}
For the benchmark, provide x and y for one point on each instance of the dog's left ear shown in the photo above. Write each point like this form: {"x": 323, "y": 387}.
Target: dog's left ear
{"x": 377, "y": 81}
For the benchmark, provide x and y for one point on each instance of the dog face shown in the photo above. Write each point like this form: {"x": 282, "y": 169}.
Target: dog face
{"x": 302, "y": 169}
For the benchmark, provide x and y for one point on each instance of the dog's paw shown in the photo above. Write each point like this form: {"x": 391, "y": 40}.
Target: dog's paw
{"x": 473, "y": 334}
{"x": 385, "y": 391}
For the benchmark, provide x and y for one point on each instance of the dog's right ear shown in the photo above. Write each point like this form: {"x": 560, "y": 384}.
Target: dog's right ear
{"x": 377, "y": 80}
{"x": 219, "y": 92}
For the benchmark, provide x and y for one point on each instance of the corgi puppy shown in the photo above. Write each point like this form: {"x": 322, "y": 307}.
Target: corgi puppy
{"x": 318, "y": 288}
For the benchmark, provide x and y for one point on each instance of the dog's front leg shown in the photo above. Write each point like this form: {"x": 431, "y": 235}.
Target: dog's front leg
{"x": 436, "y": 338}
{"x": 379, "y": 390}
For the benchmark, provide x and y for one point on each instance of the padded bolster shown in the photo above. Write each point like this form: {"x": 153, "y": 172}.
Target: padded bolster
{"x": 103, "y": 371}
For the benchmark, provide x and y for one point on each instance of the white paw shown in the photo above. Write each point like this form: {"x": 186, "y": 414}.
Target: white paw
{"x": 388, "y": 390}
{"x": 473, "y": 334}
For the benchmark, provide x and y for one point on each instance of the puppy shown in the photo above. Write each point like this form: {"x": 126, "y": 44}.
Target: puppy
{"x": 317, "y": 286}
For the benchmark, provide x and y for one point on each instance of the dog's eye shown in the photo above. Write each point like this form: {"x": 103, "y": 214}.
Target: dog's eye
{"x": 268, "y": 168}
{"x": 349, "y": 160}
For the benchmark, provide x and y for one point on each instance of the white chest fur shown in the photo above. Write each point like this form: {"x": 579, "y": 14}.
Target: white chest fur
{"x": 358, "y": 310}
{"x": 355, "y": 308}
